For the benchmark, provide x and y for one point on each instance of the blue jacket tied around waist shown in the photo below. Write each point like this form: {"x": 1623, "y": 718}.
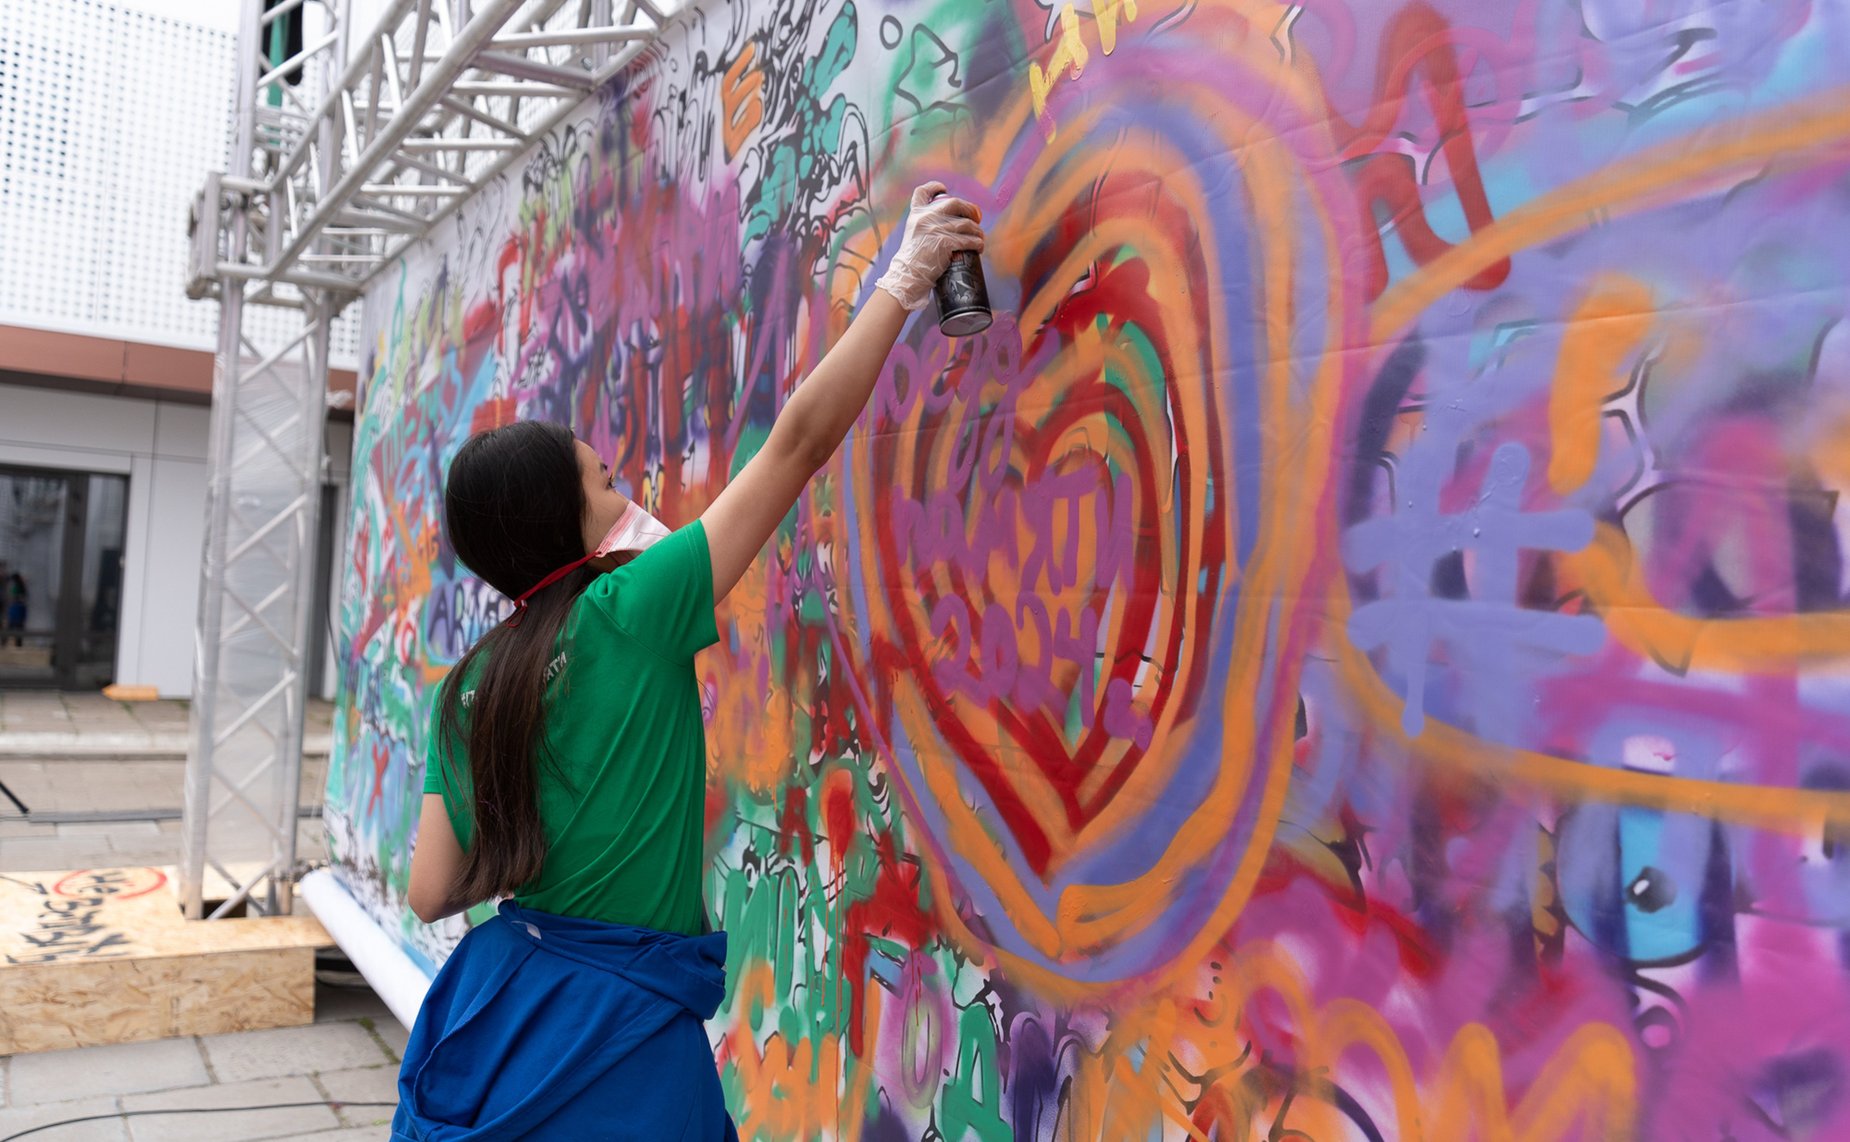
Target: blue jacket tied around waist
{"x": 542, "y": 1026}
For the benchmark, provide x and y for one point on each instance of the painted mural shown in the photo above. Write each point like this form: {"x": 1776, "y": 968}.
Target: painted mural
{"x": 1357, "y": 650}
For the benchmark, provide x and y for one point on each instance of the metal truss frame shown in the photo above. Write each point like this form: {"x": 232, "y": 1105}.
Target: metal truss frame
{"x": 432, "y": 102}
{"x": 405, "y": 122}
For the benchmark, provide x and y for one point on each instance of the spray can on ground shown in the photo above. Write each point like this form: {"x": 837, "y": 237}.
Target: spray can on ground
{"x": 963, "y": 296}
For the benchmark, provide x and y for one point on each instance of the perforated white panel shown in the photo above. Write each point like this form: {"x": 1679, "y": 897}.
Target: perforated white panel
{"x": 109, "y": 121}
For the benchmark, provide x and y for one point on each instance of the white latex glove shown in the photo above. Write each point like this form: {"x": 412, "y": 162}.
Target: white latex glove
{"x": 936, "y": 228}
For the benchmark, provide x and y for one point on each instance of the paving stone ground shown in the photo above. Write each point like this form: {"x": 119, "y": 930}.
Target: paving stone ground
{"x": 51, "y": 761}
{"x": 64, "y": 723}
{"x": 55, "y": 711}
{"x": 348, "y": 1057}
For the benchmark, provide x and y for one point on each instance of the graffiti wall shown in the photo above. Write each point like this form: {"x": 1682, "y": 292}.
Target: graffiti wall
{"x": 1357, "y": 650}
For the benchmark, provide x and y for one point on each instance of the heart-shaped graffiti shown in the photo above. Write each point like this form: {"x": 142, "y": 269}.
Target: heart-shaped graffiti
{"x": 1035, "y": 595}
{"x": 1076, "y": 596}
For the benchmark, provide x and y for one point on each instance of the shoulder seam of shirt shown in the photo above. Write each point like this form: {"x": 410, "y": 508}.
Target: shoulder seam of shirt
{"x": 633, "y": 637}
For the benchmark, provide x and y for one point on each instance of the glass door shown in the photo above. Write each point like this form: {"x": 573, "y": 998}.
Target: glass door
{"x": 33, "y": 511}
{"x": 61, "y": 541}
{"x": 98, "y": 588}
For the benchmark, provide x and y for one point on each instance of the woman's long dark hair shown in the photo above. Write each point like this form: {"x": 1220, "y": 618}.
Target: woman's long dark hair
{"x": 513, "y": 507}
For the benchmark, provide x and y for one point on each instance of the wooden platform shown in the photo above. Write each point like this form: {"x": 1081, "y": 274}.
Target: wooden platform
{"x": 103, "y": 955}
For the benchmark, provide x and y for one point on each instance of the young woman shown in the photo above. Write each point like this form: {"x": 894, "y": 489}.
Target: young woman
{"x": 568, "y": 761}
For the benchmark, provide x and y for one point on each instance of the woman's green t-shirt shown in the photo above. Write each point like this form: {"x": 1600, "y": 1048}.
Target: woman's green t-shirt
{"x": 624, "y": 725}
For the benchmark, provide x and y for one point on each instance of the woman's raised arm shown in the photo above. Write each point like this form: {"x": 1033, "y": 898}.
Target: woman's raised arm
{"x": 824, "y": 405}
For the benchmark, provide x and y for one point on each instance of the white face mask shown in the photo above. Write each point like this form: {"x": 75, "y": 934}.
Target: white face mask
{"x": 635, "y": 530}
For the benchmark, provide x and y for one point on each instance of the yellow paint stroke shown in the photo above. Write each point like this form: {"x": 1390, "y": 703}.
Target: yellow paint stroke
{"x": 1606, "y": 329}
{"x": 1070, "y": 54}
{"x": 1069, "y": 58}
{"x": 1106, "y": 12}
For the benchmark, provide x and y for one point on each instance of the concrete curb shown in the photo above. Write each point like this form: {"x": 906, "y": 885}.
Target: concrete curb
{"x": 119, "y": 747}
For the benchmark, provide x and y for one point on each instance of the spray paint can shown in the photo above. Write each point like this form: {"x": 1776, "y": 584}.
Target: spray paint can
{"x": 963, "y": 296}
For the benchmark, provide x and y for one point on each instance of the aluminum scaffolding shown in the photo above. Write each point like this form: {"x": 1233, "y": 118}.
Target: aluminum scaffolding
{"x": 405, "y": 121}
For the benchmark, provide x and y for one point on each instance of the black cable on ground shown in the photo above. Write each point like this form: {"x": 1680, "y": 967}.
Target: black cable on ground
{"x": 327, "y": 1102}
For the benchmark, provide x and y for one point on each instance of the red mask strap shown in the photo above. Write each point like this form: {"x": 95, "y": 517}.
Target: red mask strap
{"x": 520, "y": 604}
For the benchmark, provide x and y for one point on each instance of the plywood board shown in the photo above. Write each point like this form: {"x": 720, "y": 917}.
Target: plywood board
{"x": 104, "y": 956}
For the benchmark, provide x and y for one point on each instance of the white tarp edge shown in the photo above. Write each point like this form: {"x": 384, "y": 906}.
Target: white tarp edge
{"x": 394, "y": 975}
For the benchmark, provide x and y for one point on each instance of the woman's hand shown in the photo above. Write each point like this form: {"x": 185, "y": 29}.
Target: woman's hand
{"x": 936, "y": 228}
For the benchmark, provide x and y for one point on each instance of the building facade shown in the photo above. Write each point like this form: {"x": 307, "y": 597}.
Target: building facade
{"x": 109, "y": 120}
